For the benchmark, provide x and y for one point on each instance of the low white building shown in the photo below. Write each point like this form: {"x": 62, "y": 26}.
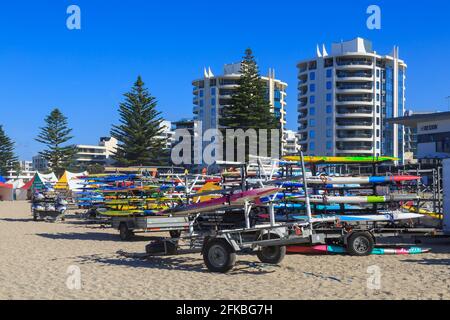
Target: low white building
{"x": 433, "y": 133}
{"x": 292, "y": 145}
{"x": 25, "y": 174}
{"x": 95, "y": 154}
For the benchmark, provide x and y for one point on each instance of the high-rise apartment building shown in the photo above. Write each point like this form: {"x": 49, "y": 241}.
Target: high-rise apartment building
{"x": 213, "y": 93}
{"x": 345, "y": 99}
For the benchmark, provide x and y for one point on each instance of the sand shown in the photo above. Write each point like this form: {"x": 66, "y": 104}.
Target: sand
{"x": 35, "y": 257}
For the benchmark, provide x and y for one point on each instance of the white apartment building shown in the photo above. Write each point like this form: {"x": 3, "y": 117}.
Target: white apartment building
{"x": 167, "y": 134}
{"x": 292, "y": 145}
{"x": 345, "y": 99}
{"x": 96, "y": 154}
{"x": 26, "y": 172}
{"x": 39, "y": 163}
{"x": 213, "y": 93}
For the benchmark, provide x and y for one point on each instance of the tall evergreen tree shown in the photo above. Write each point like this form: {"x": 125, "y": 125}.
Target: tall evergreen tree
{"x": 139, "y": 128}
{"x": 54, "y": 135}
{"x": 7, "y": 157}
{"x": 250, "y": 106}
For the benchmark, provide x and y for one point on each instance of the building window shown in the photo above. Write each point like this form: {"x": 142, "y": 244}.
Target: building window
{"x": 312, "y": 146}
{"x": 378, "y": 85}
{"x": 329, "y": 97}
{"x": 312, "y": 134}
{"x": 329, "y": 133}
{"x": 312, "y": 122}
{"x": 329, "y": 109}
{"x": 329, "y": 85}
{"x": 312, "y": 87}
{"x": 378, "y": 109}
{"x": 378, "y": 144}
{"x": 378, "y": 97}
{"x": 378, "y": 133}
{"x": 329, "y": 121}
{"x": 201, "y": 103}
{"x": 329, "y": 73}
{"x": 312, "y": 111}
{"x": 378, "y": 73}
{"x": 213, "y": 101}
{"x": 329, "y": 145}
{"x": 213, "y": 91}
{"x": 201, "y": 93}
{"x": 312, "y": 76}
{"x": 312, "y": 99}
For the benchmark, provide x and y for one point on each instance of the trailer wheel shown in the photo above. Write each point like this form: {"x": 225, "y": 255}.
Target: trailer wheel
{"x": 272, "y": 255}
{"x": 360, "y": 244}
{"x": 219, "y": 256}
{"x": 125, "y": 233}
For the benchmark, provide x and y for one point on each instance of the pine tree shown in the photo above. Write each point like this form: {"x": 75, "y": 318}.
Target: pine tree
{"x": 7, "y": 157}
{"x": 54, "y": 135}
{"x": 250, "y": 107}
{"x": 140, "y": 127}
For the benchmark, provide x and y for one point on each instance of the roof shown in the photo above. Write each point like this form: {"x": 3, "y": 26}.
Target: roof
{"x": 412, "y": 121}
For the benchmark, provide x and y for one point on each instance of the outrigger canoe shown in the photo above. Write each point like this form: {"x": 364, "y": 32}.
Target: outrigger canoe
{"x": 324, "y": 249}
{"x": 237, "y": 199}
{"x": 341, "y": 160}
{"x": 324, "y": 199}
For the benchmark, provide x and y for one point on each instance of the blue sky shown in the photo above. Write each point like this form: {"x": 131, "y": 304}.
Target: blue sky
{"x": 85, "y": 72}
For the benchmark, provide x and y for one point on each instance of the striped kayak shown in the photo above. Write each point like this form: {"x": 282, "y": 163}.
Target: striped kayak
{"x": 339, "y": 160}
{"x": 328, "y": 180}
{"x": 324, "y": 199}
{"x": 237, "y": 199}
{"x": 324, "y": 249}
{"x": 423, "y": 211}
{"x": 384, "y": 216}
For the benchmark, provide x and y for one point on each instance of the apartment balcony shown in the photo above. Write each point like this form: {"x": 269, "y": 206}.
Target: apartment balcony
{"x": 355, "y": 61}
{"x": 354, "y": 147}
{"x": 354, "y": 123}
{"x": 195, "y": 110}
{"x": 303, "y": 115}
{"x": 354, "y": 75}
{"x": 360, "y": 99}
{"x": 354, "y": 110}
{"x": 354, "y": 87}
{"x": 303, "y": 125}
{"x": 352, "y": 135}
{"x": 302, "y": 68}
{"x": 302, "y": 79}
{"x": 354, "y": 67}
{"x": 303, "y": 90}
{"x": 303, "y": 102}
{"x": 303, "y": 137}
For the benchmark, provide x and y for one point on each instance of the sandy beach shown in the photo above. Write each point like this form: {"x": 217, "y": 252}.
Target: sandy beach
{"x": 35, "y": 257}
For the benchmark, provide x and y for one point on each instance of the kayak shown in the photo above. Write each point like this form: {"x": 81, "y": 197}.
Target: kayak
{"x": 324, "y": 199}
{"x": 339, "y": 160}
{"x": 324, "y": 249}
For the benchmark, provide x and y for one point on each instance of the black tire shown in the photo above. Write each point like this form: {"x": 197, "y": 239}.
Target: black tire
{"x": 360, "y": 244}
{"x": 175, "y": 234}
{"x": 272, "y": 254}
{"x": 219, "y": 256}
{"x": 125, "y": 233}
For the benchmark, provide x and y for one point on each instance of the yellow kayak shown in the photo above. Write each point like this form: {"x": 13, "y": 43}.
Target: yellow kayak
{"x": 423, "y": 211}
